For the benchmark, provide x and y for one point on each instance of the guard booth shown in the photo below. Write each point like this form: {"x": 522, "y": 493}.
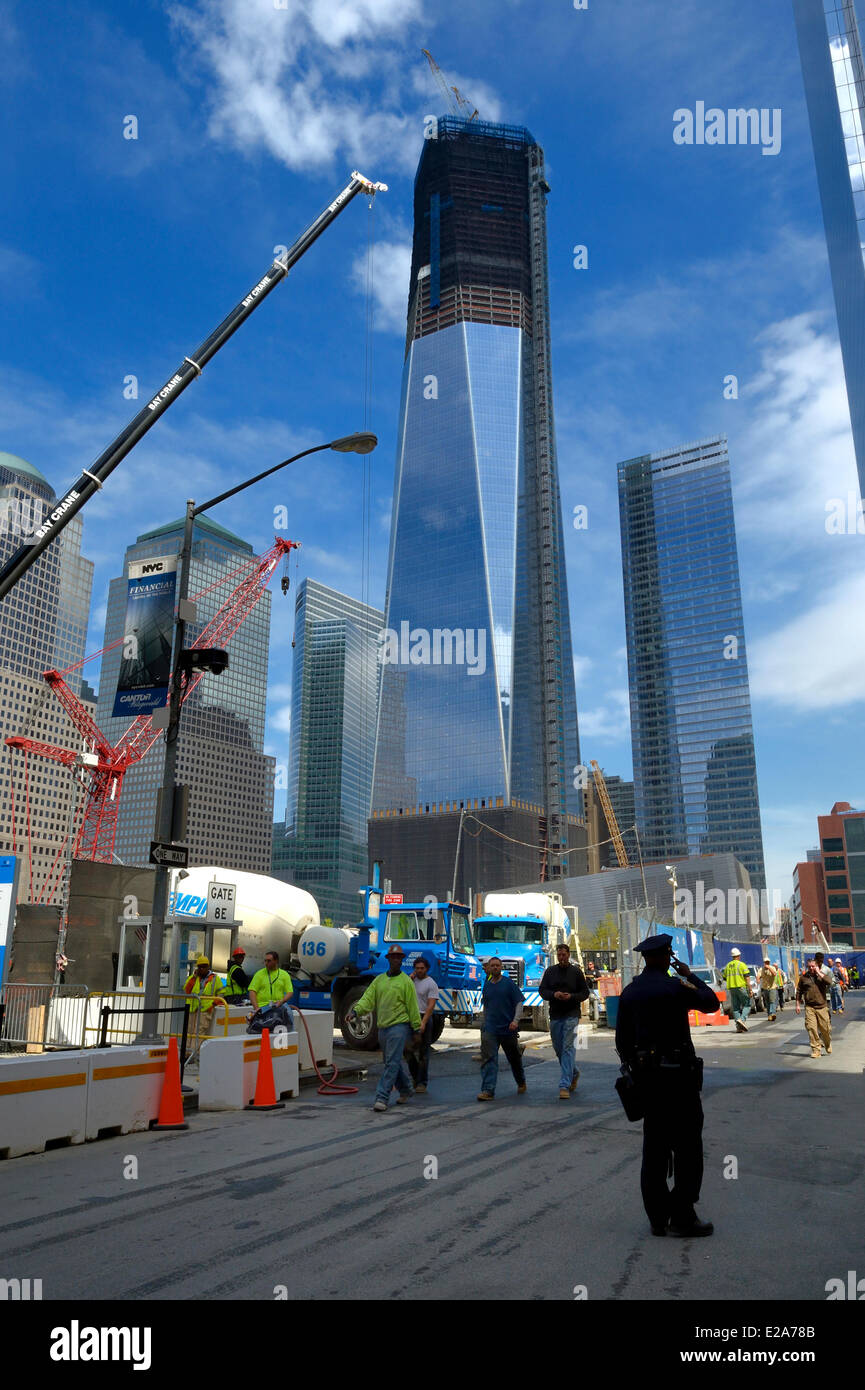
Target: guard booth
{"x": 184, "y": 940}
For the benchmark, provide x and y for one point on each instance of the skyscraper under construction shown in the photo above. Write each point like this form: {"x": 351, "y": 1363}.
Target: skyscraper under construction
{"x": 478, "y": 708}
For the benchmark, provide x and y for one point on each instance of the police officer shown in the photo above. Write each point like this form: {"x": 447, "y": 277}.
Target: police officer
{"x": 654, "y": 1042}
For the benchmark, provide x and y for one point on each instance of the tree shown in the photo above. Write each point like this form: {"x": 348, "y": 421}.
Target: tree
{"x": 605, "y": 937}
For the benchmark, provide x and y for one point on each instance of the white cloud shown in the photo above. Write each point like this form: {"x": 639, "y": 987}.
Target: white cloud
{"x": 610, "y": 723}
{"x": 582, "y": 666}
{"x": 280, "y": 720}
{"x": 286, "y": 79}
{"x": 390, "y": 284}
{"x": 816, "y": 661}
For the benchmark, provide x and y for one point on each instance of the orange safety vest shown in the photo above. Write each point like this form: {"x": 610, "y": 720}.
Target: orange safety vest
{"x": 201, "y": 989}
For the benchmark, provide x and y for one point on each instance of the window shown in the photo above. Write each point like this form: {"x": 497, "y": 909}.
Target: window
{"x": 833, "y": 846}
{"x": 840, "y": 919}
{"x": 854, "y": 833}
{"x": 834, "y": 862}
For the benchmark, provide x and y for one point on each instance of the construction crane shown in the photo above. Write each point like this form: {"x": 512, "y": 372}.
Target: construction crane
{"x": 107, "y": 765}
{"x": 610, "y": 817}
{"x": 452, "y": 95}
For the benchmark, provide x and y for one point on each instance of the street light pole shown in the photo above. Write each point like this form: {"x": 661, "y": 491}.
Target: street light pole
{"x": 166, "y": 831}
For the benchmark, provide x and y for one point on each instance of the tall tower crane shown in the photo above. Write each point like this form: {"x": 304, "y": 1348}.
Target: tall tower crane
{"x": 452, "y": 95}
{"x": 610, "y": 816}
{"x": 107, "y": 765}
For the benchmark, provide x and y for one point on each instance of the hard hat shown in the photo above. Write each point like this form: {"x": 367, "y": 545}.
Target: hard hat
{"x": 735, "y": 951}
{"x": 202, "y": 960}
{"x": 238, "y": 951}
{"x": 396, "y": 951}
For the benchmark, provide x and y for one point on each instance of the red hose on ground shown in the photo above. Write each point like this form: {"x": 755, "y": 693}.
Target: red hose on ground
{"x": 328, "y": 1087}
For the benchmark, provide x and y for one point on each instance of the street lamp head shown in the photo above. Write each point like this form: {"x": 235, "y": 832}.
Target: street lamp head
{"x": 361, "y": 443}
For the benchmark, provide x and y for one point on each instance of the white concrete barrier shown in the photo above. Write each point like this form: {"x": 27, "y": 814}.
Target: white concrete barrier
{"x": 229, "y": 1067}
{"x": 320, "y": 1025}
{"x": 124, "y": 1088}
{"x": 43, "y": 1100}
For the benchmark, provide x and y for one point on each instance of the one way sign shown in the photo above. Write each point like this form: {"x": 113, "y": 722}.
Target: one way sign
{"x": 175, "y": 856}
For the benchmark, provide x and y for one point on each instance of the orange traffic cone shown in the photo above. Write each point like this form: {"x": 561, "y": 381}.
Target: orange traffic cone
{"x": 265, "y": 1089}
{"x": 171, "y": 1102}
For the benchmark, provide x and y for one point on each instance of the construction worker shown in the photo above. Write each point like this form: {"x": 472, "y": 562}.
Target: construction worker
{"x": 393, "y": 1000}
{"x": 736, "y": 977}
{"x": 839, "y": 985}
{"x": 854, "y": 976}
{"x": 780, "y": 982}
{"x": 236, "y": 990}
{"x": 202, "y": 987}
{"x": 768, "y": 989}
{"x": 270, "y": 985}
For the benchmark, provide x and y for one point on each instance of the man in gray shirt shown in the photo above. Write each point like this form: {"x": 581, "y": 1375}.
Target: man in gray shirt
{"x": 427, "y": 992}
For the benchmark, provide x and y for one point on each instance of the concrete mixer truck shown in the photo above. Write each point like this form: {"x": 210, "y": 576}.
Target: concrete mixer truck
{"x": 521, "y": 929}
{"x": 331, "y": 966}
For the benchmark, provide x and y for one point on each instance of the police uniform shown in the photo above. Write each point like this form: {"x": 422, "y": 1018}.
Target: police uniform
{"x": 653, "y": 1040}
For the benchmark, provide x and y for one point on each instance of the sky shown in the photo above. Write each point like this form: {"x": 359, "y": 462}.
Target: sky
{"x": 704, "y": 262}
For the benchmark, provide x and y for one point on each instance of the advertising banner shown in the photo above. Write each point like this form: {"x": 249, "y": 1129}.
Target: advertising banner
{"x": 145, "y": 666}
{"x": 7, "y": 908}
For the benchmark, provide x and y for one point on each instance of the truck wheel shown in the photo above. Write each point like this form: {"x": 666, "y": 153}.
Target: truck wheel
{"x": 360, "y": 1033}
{"x": 541, "y": 1018}
{"x": 438, "y": 1026}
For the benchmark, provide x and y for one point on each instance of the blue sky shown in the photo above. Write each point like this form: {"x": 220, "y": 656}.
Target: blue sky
{"x": 118, "y": 256}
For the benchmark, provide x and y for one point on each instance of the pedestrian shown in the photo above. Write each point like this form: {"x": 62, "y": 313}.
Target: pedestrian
{"x": 236, "y": 989}
{"x": 824, "y": 969}
{"x": 393, "y": 1000}
{"x": 854, "y": 976}
{"x": 768, "y": 989}
{"x": 502, "y": 1007}
{"x": 202, "y": 987}
{"x": 839, "y": 985}
{"x": 427, "y": 992}
{"x": 812, "y": 988}
{"x": 272, "y": 985}
{"x": 737, "y": 978}
{"x": 564, "y": 987}
{"x": 780, "y": 985}
{"x": 653, "y": 1040}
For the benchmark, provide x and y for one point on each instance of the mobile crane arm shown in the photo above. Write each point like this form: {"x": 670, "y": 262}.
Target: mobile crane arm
{"x": 91, "y": 479}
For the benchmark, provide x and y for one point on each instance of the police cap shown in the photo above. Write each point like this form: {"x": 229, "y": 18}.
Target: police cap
{"x": 663, "y": 942}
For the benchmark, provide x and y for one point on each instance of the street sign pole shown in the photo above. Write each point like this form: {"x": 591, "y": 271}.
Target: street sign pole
{"x": 149, "y": 1034}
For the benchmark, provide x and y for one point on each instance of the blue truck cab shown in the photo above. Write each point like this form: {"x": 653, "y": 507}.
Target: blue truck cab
{"x": 440, "y": 931}
{"x": 521, "y": 944}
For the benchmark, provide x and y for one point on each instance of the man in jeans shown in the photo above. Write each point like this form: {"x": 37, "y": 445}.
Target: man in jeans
{"x": 503, "y": 1004}
{"x": 768, "y": 989}
{"x": 427, "y": 992}
{"x": 564, "y": 988}
{"x": 392, "y": 999}
{"x": 736, "y": 977}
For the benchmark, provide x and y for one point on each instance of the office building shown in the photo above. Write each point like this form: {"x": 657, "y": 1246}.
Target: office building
{"x": 322, "y": 844}
{"x": 695, "y": 778}
{"x": 43, "y": 626}
{"x": 830, "y": 50}
{"x": 829, "y": 891}
{"x": 478, "y": 706}
{"x": 220, "y": 758}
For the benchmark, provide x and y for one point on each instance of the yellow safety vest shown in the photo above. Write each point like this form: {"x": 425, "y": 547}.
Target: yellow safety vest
{"x": 736, "y": 974}
{"x": 197, "y": 993}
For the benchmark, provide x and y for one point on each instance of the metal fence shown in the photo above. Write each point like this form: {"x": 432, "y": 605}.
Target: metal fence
{"x": 34, "y": 1018}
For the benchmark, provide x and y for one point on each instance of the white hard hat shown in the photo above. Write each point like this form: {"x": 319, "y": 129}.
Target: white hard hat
{"x": 735, "y": 952}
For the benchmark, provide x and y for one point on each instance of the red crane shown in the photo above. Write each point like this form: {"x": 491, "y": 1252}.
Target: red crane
{"x": 96, "y": 834}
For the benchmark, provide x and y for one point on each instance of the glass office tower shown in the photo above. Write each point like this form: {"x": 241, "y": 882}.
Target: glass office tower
{"x": 220, "y": 755}
{"x": 322, "y": 845}
{"x": 831, "y": 54}
{"x": 478, "y": 707}
{"x": 695, "y": 773}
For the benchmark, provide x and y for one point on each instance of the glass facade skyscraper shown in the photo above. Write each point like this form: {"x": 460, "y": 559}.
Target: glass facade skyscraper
{"x": 695, "y": 776}
{"x": 478, "y": 706}
{"x": 322, "y": 845}
{"x": 220, "y": 757}
{"x": 830, "y": 50}
{"x": 43, "y": 625}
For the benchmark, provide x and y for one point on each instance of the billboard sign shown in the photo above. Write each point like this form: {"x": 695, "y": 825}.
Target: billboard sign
{"x": 8, "y": 866}
{"x": 145, "y": 667}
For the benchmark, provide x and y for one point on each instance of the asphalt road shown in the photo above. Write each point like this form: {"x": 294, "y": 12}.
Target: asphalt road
{"x": 533, "y": 1197}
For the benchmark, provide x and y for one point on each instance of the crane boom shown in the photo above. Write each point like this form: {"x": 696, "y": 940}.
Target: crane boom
{"x": 91, "y": 479}
{"x": 610, "y": 817}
